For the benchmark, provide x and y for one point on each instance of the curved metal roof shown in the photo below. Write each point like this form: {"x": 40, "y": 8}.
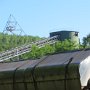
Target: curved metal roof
{"x": 56, "y": 59}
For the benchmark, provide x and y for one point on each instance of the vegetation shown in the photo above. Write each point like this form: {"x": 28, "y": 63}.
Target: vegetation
{"x": 11, "y": 41}
{"x": 60, "y": 46}
{"x": 86, "y": 41}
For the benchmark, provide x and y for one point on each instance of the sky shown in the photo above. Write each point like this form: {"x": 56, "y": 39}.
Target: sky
{"x": 40, "y": 17}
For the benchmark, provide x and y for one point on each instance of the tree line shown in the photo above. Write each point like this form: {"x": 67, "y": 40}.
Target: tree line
{"x": 11, "y": 41}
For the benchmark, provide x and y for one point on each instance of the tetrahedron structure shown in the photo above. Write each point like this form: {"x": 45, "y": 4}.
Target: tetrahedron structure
{"x": 12, "y": 27}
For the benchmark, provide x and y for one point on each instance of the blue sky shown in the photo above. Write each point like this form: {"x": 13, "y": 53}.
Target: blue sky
{"x": 40, "y": 17}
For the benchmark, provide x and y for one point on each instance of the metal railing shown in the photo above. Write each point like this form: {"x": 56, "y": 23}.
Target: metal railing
{"x": 26, "y": 48}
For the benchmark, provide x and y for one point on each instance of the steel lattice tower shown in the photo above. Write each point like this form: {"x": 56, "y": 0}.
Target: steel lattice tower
{"x": 12, "y": 27}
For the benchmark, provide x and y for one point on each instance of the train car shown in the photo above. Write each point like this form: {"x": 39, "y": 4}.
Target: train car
{"x": 63, "y": 71}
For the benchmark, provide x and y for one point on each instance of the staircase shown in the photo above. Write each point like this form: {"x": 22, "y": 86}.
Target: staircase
{"x": 26, "y": 48}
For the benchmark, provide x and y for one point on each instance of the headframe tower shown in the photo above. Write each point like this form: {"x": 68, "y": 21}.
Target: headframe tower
{"x": 12, "y": 27}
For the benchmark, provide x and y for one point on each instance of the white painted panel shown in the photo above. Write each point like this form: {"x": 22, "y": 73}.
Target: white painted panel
{"x": 84, "y": 71}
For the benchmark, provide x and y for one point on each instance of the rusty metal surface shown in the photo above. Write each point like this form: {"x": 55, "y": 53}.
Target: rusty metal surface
{"x": 56, "y": 59}
{"x": 63, "y": 58}
{"x": 14, "y": 65}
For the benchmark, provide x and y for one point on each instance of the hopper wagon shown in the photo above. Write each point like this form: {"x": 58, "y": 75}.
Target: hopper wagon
{"x": 62, "y": 71}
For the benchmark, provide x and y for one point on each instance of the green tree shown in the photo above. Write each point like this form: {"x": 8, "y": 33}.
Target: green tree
{"x": 12, "y": 41}
{"x": 65, "y": 45}
{"x": 86, "y": 41}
